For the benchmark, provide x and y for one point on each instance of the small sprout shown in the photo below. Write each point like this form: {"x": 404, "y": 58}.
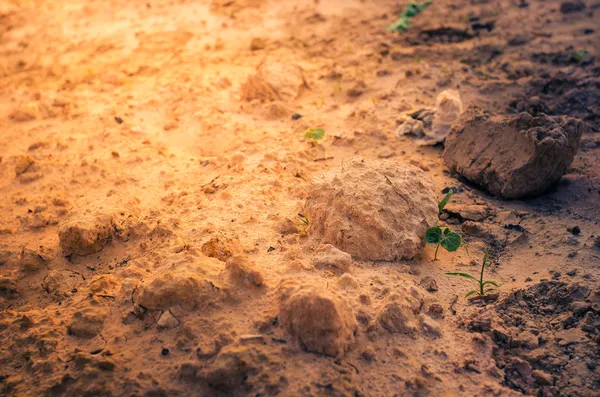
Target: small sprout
{"x": 302, "y": 220}
{"x": 449, "y": 240}
{"x": 314, "y": 134}
{"x": 411, "y": 10}
{"x": 579, "y": 55}
{"x": 445, "y": 200}
{"x": 442, "y": 236}
{"x": 482, "y": 284}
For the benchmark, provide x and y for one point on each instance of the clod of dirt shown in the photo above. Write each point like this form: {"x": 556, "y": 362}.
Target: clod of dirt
{"x": 31, "y": 261}
{"x": 471, "y": 212}
{"x": 8, "y": 288}
{"x": 398, "y": 313}
{"x": 88, "y": 322}
{"x": 180, "y": 287}
{"x": 372, "y": 210}
{"x": 84, "y": 233}
{"x": 23, "y": 164}
{"x": 61, "y": 283}
{"x": 328, "y": 255}
{"x": 232, "y": 367}
{"x": 274, "y": 81}
{"x": 242, "y": 272}
{"x": 167, "y": 321}
{"x": 320, "y": 320}
{"x": 222, "y": 245}
{"x": 512, "y": 157}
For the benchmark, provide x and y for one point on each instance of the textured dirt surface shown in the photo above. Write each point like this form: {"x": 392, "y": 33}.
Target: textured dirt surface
{"x": 153, "y": 166}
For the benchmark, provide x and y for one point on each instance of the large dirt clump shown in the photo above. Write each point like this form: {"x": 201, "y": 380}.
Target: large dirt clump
{"x": 375, "y": 210}
{"x": 322, "y": 321}
{"x": 274, "y": 81}
{"x": 514, "y": 156}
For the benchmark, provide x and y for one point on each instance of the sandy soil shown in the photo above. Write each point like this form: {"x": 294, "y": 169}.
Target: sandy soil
{"x": 134, "y": 125}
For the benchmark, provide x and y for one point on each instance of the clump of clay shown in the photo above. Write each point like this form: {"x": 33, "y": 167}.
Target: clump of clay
{"x": 242, "y": 272}
{"x": 328, "y": 255}
{"x": 320, "y": 320}
{"x": 31, "y": 261}
{"x": 398, "y": 313}
{"x": 177, "y": 287}
{"x": 88, "y": 322}
{"x": 376, "y": 210}
{"x": 515, "y": 156}
{"x": 222, "y": 245}
{"x": 273, "y": 81}
{"x": 83, "y": 233}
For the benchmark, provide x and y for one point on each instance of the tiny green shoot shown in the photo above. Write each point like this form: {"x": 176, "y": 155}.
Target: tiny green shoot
{"x": 411, "y": 10}
{"x": 302, "y": 220}
{"x": 314, "y": 134}
{"x": 443, "y": 236}
{"x": 482, "y": 284}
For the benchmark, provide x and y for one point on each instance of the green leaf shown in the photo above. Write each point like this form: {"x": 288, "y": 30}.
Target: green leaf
{"x": 490, "y": 282}
{"x": 488, "y": 290}
{"x": 451, "y": 241}
{"x": 433, "y": 235}
{"x": 470, "y": 293}
{"x": 314, "y": 133}
{"x": 465, "y": 275}
{"x": 411, "y": 10}
{"x": 445, "y": 200}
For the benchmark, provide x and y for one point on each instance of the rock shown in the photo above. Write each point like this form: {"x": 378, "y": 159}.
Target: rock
{"x": 286, "y": 227}
{"x": 106, "y": 284}
{"x": 231, "y": 368}
{"x": 411, "y": 127}
{"x": 167, "y": 321}
{"x": 542, "y": 378}
{"x": 61, "y": 283}
{"x": 83, "y": 233}
{"x": 320, "y": 320}
{"x": 180, "y": 287}
{"x": 436, "y": 311}
{"x": 429, "y": 284}
{"x": 273, "y": 81}
{"x": 449, "y": 107}
{"x": 346, "y": 281}
{"x": 258, "y": 43}
{"x": 515, "y": 156}
{"x": 567, "y": 7}
{"x": 242, "y": 272}
{"x": 8, "y": 288}
{"x": 89, "y": 322}
{"x": 569, "y": 336}
{"x": 429, "y": 327}
{"x": 398, "y": 314}
{"x": 470, "y": 212}
{"x": 23, "y": 164}
{"x": 375, "y": 210}
{"x": 30, "y": 261}
{"x": 526, "y": 339}
{"x": 222, "y": 245}
{"x": 328, "y": 255}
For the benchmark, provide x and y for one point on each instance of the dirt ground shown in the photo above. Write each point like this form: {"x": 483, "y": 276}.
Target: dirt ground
{"x": 150, "y": 192}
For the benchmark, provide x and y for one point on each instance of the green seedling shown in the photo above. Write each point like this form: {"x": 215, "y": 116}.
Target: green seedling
{"x": 302, "y": 220}
{"x": 442, "y": 236}
{"x": 482, "y": 284}
{"x": 314, "y": 134}
{"x": 411, "y": 10}
{"x": 579, "y": 55}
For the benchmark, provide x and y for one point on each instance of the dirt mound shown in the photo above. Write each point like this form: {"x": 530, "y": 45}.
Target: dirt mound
{"x": 84, "y": 233}
{"x": 546, "y": 338}
{"x": 512, "y": 157}
{"x": 372, "y": 210}
{"x": 321, "y": 320}
{"x": 273, "y": 81}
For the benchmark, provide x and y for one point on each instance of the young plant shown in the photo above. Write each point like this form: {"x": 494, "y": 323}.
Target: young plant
{"x": 482, "y": 284}
{"x": 314, "y": 134}
{"x": 442, "y": 236}
{"x": 410, "y": 11}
